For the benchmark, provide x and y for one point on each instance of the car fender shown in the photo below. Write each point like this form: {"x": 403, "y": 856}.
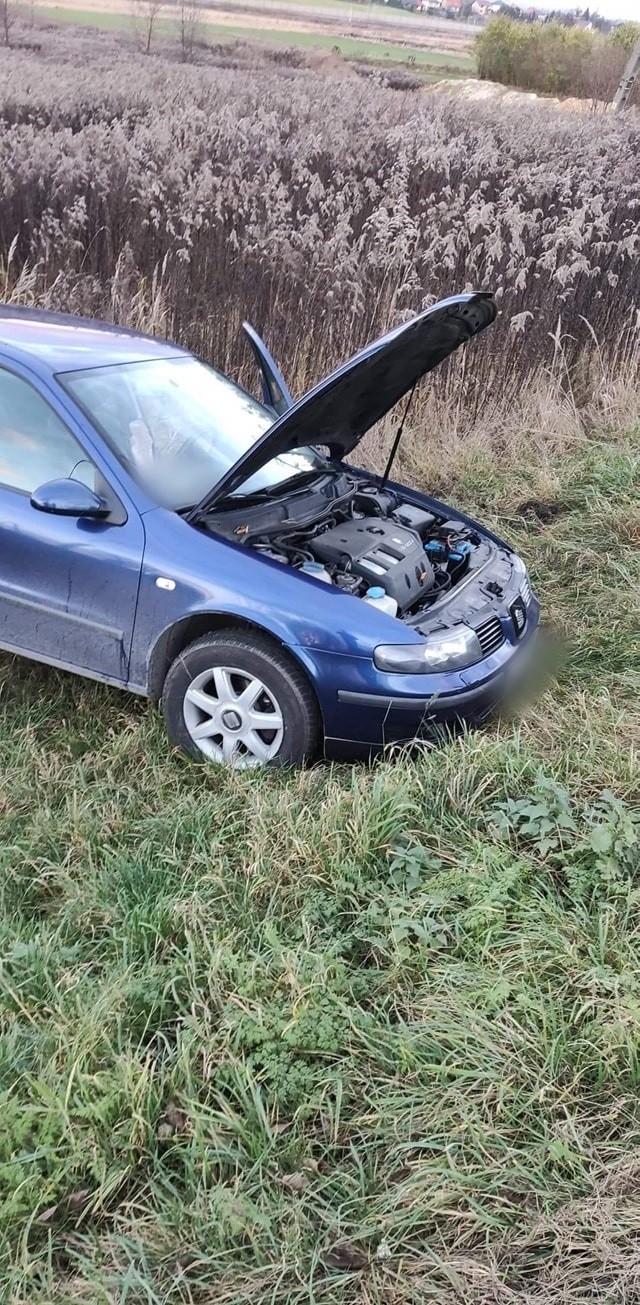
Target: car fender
{"x": 175, "y": 638}
{"x": 193, "y": 581}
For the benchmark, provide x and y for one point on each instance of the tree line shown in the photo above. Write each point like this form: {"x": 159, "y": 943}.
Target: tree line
{"x": 553, "y": 59}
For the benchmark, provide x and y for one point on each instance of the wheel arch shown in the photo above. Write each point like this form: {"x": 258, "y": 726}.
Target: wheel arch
{"x": 178, "y": 636}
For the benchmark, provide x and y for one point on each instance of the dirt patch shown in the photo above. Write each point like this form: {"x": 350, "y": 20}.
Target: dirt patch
{"x": 544, "y": 511}
{"x": 471, "y": 88}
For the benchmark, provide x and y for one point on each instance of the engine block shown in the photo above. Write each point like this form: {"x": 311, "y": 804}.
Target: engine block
{"x": 380, "y": 552}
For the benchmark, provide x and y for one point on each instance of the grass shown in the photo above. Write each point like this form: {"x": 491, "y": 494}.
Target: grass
{"x": 354, "y": 47}
{"x": 432, "y": 64}
{"x": 353, "y": 1035}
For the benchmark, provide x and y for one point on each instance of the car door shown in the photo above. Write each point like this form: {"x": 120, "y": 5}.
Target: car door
{"x": 68, "y": 585}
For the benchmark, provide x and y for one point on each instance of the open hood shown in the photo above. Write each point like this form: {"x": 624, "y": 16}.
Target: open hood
{"x": 344, "y": 406}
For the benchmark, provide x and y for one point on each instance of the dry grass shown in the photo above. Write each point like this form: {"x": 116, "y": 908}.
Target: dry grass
{"x": 324, "y": 210}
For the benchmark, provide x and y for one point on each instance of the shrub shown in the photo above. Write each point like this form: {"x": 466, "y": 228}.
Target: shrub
{"x": 553, "y": 59}
{"x": 626, "y": 36}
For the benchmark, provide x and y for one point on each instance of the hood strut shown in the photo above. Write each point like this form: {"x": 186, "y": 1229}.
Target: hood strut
{"x": 396, "y": 442}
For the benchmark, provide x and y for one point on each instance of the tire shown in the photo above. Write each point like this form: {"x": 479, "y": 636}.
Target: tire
{"x": 220, "y": 693}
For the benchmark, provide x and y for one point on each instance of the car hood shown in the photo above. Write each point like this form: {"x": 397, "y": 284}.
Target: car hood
{"x": 344, "y": 406}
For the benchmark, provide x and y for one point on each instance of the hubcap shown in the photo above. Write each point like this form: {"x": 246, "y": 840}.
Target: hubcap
{"x": 231, "y": 720}
{"x": 233, "y": 717}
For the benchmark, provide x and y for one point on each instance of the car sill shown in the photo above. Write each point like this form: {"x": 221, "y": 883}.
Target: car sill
{"x": 59, "y": 665}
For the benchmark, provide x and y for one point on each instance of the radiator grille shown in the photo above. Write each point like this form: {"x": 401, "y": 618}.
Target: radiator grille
{"x": 490, "y": 635}
{"x": 525, "y": 591}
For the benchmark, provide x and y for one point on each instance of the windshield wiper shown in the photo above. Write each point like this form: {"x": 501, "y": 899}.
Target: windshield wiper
{"x": 297, "y": 481}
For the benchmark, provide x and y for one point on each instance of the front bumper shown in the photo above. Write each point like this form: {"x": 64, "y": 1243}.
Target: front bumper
{"x": 365, "y": 710}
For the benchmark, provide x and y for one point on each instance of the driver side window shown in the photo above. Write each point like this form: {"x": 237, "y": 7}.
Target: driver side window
{"x": 35, "y": 445}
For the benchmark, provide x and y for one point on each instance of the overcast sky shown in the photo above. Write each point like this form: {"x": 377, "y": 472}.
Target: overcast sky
{"x": 619, "y": 9}
{"x": 627, "y": 9}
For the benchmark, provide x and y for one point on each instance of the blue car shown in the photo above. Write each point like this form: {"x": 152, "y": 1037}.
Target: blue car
{"x": 165, "y": 532}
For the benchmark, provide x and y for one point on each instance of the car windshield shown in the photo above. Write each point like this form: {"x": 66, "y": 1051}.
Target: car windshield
{"x": 178, "y": 426}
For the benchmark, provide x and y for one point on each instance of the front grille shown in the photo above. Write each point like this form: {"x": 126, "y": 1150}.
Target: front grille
{"x": 525, "y": 591}
{"x": 490, "y": 635}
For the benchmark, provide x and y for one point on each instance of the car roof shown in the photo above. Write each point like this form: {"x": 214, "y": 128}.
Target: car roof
{"x": 61, "y": 342}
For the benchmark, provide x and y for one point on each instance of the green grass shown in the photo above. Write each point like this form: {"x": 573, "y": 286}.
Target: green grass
{"x": 354, "y": 47}
{"x": 430, "y": 63}
{"x": 358, "y": 1034}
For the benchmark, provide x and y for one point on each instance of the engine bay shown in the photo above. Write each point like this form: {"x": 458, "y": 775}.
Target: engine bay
{"x": 360, "y": 537}
{"x": 378, "y": 552}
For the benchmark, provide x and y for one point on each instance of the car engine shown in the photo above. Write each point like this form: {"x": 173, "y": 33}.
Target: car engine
{"x": 363, "y": 535}
{"x": 379, "y": 552}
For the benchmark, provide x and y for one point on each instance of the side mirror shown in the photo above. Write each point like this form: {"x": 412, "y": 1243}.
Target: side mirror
{"x": 69, "y": 498}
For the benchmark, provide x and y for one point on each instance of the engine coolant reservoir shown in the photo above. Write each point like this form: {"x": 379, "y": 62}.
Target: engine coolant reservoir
{"x": 317, "y": 570}
{"x": 377, "y": 597}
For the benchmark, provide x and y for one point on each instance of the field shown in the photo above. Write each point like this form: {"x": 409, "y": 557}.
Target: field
{"x": 374, "y": 34}
{"x": 429, "y": 64}
{"x": 359, "y": 1035}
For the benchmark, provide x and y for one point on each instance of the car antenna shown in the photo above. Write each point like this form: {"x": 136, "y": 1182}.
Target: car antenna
{"x": 394, "y": 446}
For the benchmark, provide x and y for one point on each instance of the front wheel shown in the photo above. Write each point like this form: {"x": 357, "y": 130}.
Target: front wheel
{"x": 239, "y": 700}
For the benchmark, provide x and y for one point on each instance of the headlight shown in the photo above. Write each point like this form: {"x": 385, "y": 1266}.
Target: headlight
{"x": 439, "y": 652}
